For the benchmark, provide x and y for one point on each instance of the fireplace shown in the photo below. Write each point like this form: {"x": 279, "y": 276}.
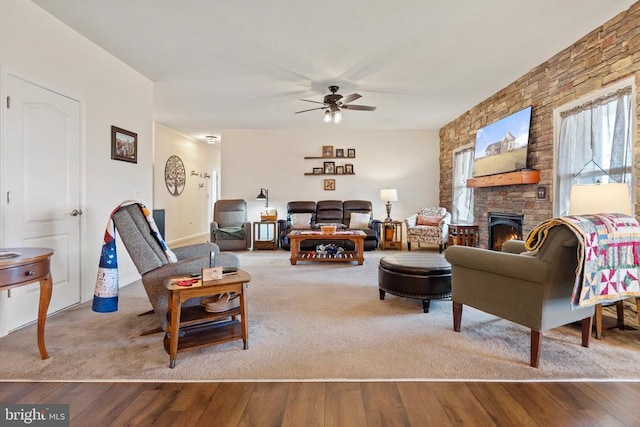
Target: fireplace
{"x": 503, "y": 227}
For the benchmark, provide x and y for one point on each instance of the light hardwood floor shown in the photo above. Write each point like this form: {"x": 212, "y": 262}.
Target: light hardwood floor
{"x": 337, "y": 403}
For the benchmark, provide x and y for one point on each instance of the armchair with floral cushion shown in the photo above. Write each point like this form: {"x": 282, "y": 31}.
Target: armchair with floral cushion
{"x": 429, "y": 226}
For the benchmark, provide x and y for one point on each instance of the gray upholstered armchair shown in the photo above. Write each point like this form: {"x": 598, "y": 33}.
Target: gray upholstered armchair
{"x": 151, "y": 261}
{"x": 428, "y": 226}
{"x": 532, "y": 289}
{"x": 230, "y": 229}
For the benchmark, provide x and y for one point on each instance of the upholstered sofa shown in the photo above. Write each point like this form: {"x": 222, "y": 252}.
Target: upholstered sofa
{"x": 350, "y": 214}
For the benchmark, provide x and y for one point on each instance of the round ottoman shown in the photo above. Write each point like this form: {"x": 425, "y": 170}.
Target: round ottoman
{"x": 420, "y": 276}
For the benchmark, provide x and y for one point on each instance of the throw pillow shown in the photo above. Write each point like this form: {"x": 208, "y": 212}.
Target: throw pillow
{"x": 359, "y": 221}
{"x": 301, "y": 221}
{"x": 432, "y": 221}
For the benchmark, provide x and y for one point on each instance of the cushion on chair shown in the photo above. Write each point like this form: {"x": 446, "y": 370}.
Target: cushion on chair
{"x": 359, "y": 220}
{"x": 432, "y": 221}
{"x": 301, "y": 221}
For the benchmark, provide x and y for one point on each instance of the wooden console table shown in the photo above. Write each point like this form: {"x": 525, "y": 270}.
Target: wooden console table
{"x": 199, "y": 327}
{"x": 32, "y": 265}
{"x": 356, "y": 236}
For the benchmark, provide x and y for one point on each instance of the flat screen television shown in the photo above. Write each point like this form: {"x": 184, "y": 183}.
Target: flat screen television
{"x": 502, "y": 146}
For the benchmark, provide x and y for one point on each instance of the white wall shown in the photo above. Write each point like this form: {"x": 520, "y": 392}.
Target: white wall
{"x": 40, "y": 48}
{"x": 274, "y": 159}
{"x": 187, "y": 215}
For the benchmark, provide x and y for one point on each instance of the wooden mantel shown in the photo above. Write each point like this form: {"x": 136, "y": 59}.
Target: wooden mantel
{"x": 512, "y": 178}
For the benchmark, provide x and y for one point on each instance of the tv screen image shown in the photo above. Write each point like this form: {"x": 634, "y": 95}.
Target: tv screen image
{"x": 502, "y": 146}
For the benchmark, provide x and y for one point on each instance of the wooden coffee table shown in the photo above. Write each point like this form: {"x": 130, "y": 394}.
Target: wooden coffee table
{"x": 200, "y": 328}
{"x": 356, "y": 236}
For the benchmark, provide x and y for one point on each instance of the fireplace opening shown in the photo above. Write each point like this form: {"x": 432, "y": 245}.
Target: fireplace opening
{"x": 503, "y": 227}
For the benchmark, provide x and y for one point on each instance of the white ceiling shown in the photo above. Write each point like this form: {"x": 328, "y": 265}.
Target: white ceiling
{"x": 244, "y": 64}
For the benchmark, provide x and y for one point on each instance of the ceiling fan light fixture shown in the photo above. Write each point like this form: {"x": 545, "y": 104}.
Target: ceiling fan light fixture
{"x": 327, "y": 116}
{"x": 337, "y": 116}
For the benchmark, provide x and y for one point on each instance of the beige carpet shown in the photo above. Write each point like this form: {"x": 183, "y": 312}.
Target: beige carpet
{"x": 315, "y": 321}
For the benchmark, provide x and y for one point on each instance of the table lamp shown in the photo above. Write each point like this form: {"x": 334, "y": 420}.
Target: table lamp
{"x": 600, "y": 198}
{"x": 389, "y": 195}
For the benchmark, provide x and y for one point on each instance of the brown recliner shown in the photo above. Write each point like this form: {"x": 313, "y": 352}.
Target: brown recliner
{"x": 532, "y": 289}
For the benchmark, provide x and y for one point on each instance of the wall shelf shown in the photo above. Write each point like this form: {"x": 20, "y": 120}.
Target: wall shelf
{"x": 318, "y": 174}
{"x": 529, "y": 176}
{"x": 333, "y": 157}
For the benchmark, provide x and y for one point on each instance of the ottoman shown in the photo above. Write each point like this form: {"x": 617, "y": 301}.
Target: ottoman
{"x": 420, "y": 276}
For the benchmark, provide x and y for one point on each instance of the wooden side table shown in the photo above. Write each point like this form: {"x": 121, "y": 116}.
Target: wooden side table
{"x": 32, "y": 265}
{"x": 198, "y": 327}
{"x": 265, "y": 235}
{"x": 391, "y": 235}
{"x": 463, "y": 234}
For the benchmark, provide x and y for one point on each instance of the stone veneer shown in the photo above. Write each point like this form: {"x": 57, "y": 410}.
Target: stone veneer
{"x": 605, "y": 55}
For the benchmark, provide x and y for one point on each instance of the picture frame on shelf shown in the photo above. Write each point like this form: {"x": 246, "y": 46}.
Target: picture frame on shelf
{"x": 329, "y": 184}
{"x": 340, "y": 170}
{"x": 124, "y": 145}
{"x": 348, "y": 169}
{"x": 351, "y": 153}
{"x": 327, "y": 151}
{"x": 329, "y": 167}
{"x": 339, "y": 152}
{"x": 318, "y": 171}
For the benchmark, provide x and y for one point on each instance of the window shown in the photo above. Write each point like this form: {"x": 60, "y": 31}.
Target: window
{"x": 594, "y": 144}
{"x": 462, "y": 206}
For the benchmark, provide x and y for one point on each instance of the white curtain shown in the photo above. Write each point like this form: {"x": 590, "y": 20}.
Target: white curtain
{"x": 594, "y": 145}
{"x": 462, "y": 209}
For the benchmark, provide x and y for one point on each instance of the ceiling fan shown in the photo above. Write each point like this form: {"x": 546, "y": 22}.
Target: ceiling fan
{"x": 335, "y": 102}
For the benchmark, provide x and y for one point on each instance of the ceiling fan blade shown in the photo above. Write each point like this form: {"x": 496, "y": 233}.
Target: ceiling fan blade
{"x": 315, "y": 102}
{"x": 311, "y": 109}
{"x": 350, "y": 98}
{"x": 358, "y": 107}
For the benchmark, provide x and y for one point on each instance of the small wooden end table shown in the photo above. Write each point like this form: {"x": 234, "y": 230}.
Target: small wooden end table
{"x": 463, "y": 234}
{"x": 264, "y": 235}
{"x": 31, "y": 265}
{"x": 196, "y": 324}
{"x": 391, "y": 234}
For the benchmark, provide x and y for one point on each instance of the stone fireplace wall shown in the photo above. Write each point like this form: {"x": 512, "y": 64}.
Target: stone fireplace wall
{"x": 605, "y": 55}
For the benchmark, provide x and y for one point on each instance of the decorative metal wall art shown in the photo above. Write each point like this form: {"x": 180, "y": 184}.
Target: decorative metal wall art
{"x": 175, "y": 175}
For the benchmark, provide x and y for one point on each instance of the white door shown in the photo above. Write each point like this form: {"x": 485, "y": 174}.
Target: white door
{"x": 41, "y": 165}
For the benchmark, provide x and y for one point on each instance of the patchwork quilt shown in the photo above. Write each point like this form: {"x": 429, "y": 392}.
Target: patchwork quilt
{"x": 608, "y": 256}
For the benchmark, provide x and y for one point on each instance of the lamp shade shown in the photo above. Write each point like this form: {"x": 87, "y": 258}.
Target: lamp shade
{"x": 600, "y": 198}
{"x": 389, "y": 195}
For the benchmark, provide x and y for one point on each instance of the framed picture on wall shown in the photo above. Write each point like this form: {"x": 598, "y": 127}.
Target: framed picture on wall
{"x": 348, "y": 168}
{"x": 329, "y": 167}
{"x": 339, "y": 170}
{"x": 339, "y": 152}
{"x": 124, "y": 145}
{"x": 351, "y": 152}
{"x": 327, "y": 151}
{"x": 318, "y": 171}
{"x": 329, "y": 184}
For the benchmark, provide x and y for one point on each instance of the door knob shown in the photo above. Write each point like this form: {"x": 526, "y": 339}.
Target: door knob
{"x": 76, "y": 212}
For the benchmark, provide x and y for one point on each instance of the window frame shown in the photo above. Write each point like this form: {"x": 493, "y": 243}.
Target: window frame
{"x": 557, "y": 121}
